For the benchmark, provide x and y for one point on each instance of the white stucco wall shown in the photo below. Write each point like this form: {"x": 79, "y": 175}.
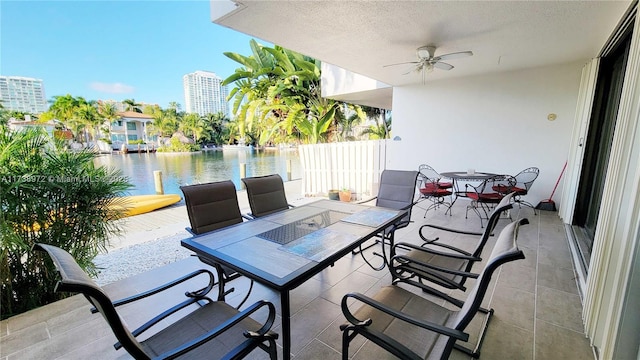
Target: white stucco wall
{"x": 493, "y": 123}
{"x": 337, "y": 81}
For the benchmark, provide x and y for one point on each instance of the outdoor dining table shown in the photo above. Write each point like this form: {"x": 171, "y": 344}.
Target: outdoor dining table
{"x": 464, "y": 176}
{"x": 285, "y": 249}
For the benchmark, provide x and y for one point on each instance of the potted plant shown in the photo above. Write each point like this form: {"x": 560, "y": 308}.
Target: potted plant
{"x": 334, "y": 194}
{"x": 345, "y": 194}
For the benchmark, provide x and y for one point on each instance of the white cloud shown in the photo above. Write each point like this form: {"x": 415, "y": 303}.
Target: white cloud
{"x": 115, "y": 88}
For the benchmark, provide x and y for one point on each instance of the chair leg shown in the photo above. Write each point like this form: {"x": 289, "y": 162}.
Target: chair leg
{"x": 361, "y": 249}
{"x": 346, "y": 340}
{"x": 475, "y": 353}
{"x": 436, "y": 202}
{"x": 526, "y": 203}
{"x": 474, "y": 206}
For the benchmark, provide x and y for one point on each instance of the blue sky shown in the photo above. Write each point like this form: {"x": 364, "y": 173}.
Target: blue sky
{"x": 115, "y": 49}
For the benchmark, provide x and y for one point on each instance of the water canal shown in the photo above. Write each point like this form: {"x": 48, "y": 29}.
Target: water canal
{"x": 202, "y": 167}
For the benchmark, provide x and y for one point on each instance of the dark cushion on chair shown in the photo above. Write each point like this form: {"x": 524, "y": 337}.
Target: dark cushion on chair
{"x": 198, "y": 323}
{"x": 211, "y": 206}
{"x": 266, "y": 194}
{"x": 419, "y": 340}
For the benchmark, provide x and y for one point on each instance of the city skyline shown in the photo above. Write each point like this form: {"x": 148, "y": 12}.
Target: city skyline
{"x": 115, "y": 50}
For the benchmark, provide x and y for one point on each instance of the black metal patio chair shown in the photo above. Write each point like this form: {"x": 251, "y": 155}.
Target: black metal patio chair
{"x": 397, "y": 191}
{"x": 433, "y": 189}
{"x": 439, "y": 263}
{"x": 485, "y": 195}
{"x": 266, "y": 195}
{"x": 213, "y": 206}
{"x": 410, "y": 326}
{"x": 524, "y": 181}
{"x": 213, "y": 329}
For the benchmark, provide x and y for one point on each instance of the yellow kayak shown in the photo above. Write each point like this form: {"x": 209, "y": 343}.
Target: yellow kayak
{"x": 140, "y": 204}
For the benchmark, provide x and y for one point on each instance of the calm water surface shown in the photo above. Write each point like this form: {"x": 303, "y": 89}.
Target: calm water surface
{"x": 188, "y": 169}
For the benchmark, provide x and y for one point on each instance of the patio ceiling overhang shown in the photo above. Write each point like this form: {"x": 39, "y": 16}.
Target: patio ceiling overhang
{"x": 363, "y": 36}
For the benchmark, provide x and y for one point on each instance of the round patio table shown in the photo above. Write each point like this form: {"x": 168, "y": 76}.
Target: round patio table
{"x": 457, "y": 176}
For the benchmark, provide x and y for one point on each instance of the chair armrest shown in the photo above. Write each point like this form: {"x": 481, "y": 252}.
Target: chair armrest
{"x": 432, "y": 291}
{"x": 461, "y": 254}
{"x": 262, "y": 333}
{"x": 407, "y": 262}
{"x": 196, "y": 294}
{"x": 447, "y": 229}
{"x": 192, "y": 298}
{"x": 457, "y": 334}
{"x": 366, "y": 201}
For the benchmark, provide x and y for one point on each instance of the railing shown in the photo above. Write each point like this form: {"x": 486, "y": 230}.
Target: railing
{"x": 355, "y": 165}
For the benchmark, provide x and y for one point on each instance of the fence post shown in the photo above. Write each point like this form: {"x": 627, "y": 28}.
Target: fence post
{"x": 289, "y": 170}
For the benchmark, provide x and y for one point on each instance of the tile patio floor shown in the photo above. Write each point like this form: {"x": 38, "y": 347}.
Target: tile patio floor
{"x": 536, "y": 302}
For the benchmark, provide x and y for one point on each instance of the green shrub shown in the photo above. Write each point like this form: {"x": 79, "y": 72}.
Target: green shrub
{"x": 53, "y": 196}
{"x": 177, "y": 146}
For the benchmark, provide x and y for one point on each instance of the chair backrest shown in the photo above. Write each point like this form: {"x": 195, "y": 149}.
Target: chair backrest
{"x": 397, "y": 190}
{"x": 492, "y": 186}
{"x": 211, "y": 206}
{"x": 428, "y": 174}
{"x": 74, "y": 279}
{"x": 504, "y": 205}
{"x": 266, "y": 194}
{"x": 505, "y": 250}
{"x": 526, "y": 177}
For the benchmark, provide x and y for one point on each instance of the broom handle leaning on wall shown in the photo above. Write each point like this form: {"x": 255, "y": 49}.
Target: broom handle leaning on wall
{"x": 558, "y": 182}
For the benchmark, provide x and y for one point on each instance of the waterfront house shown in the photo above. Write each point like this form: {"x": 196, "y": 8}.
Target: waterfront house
{"x": 535, "y": 93}
{"x": 131, "y": 126}
{"x": 49, "y": 127}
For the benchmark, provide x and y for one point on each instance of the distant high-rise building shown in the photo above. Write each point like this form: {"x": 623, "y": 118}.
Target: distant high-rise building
{"x": 204, "y": 93}
{"x": 23, "y": 94}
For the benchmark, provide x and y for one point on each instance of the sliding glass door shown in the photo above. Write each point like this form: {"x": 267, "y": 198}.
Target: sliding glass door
{"x": 598, "y": 145}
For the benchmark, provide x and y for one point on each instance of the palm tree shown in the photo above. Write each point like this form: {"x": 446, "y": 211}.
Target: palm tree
{"x": 63, "y": 107}
{"x": 174, "y": 105}
{"x": 131, "y": 105}
{"x": 165, "y": 123}
{"x": 193, "y": 125}
{"x": 214, "y": 128}
{"x": 348, "y": 123}
{"x": 109, "y": 113}
{"x": 379, "y": 116}
{"x": 379, "y": 131}
{"x": 87, "y": 115}
{"x": 276, "y": 95}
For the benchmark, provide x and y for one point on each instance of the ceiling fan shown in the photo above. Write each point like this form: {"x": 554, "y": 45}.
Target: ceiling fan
{"x": 427, "y": 60}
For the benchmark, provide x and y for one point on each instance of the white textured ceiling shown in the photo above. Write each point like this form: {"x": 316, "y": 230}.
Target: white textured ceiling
{"x": 363, "y": 36}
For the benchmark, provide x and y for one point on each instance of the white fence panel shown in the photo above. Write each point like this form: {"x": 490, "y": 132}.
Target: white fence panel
{"x": 355, "y": 165}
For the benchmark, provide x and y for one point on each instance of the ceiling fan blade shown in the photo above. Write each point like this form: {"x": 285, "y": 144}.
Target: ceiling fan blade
{"x": 442, "y": 66}
{"x": 402, "y": 63}
{"x": 455, "y": 55}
